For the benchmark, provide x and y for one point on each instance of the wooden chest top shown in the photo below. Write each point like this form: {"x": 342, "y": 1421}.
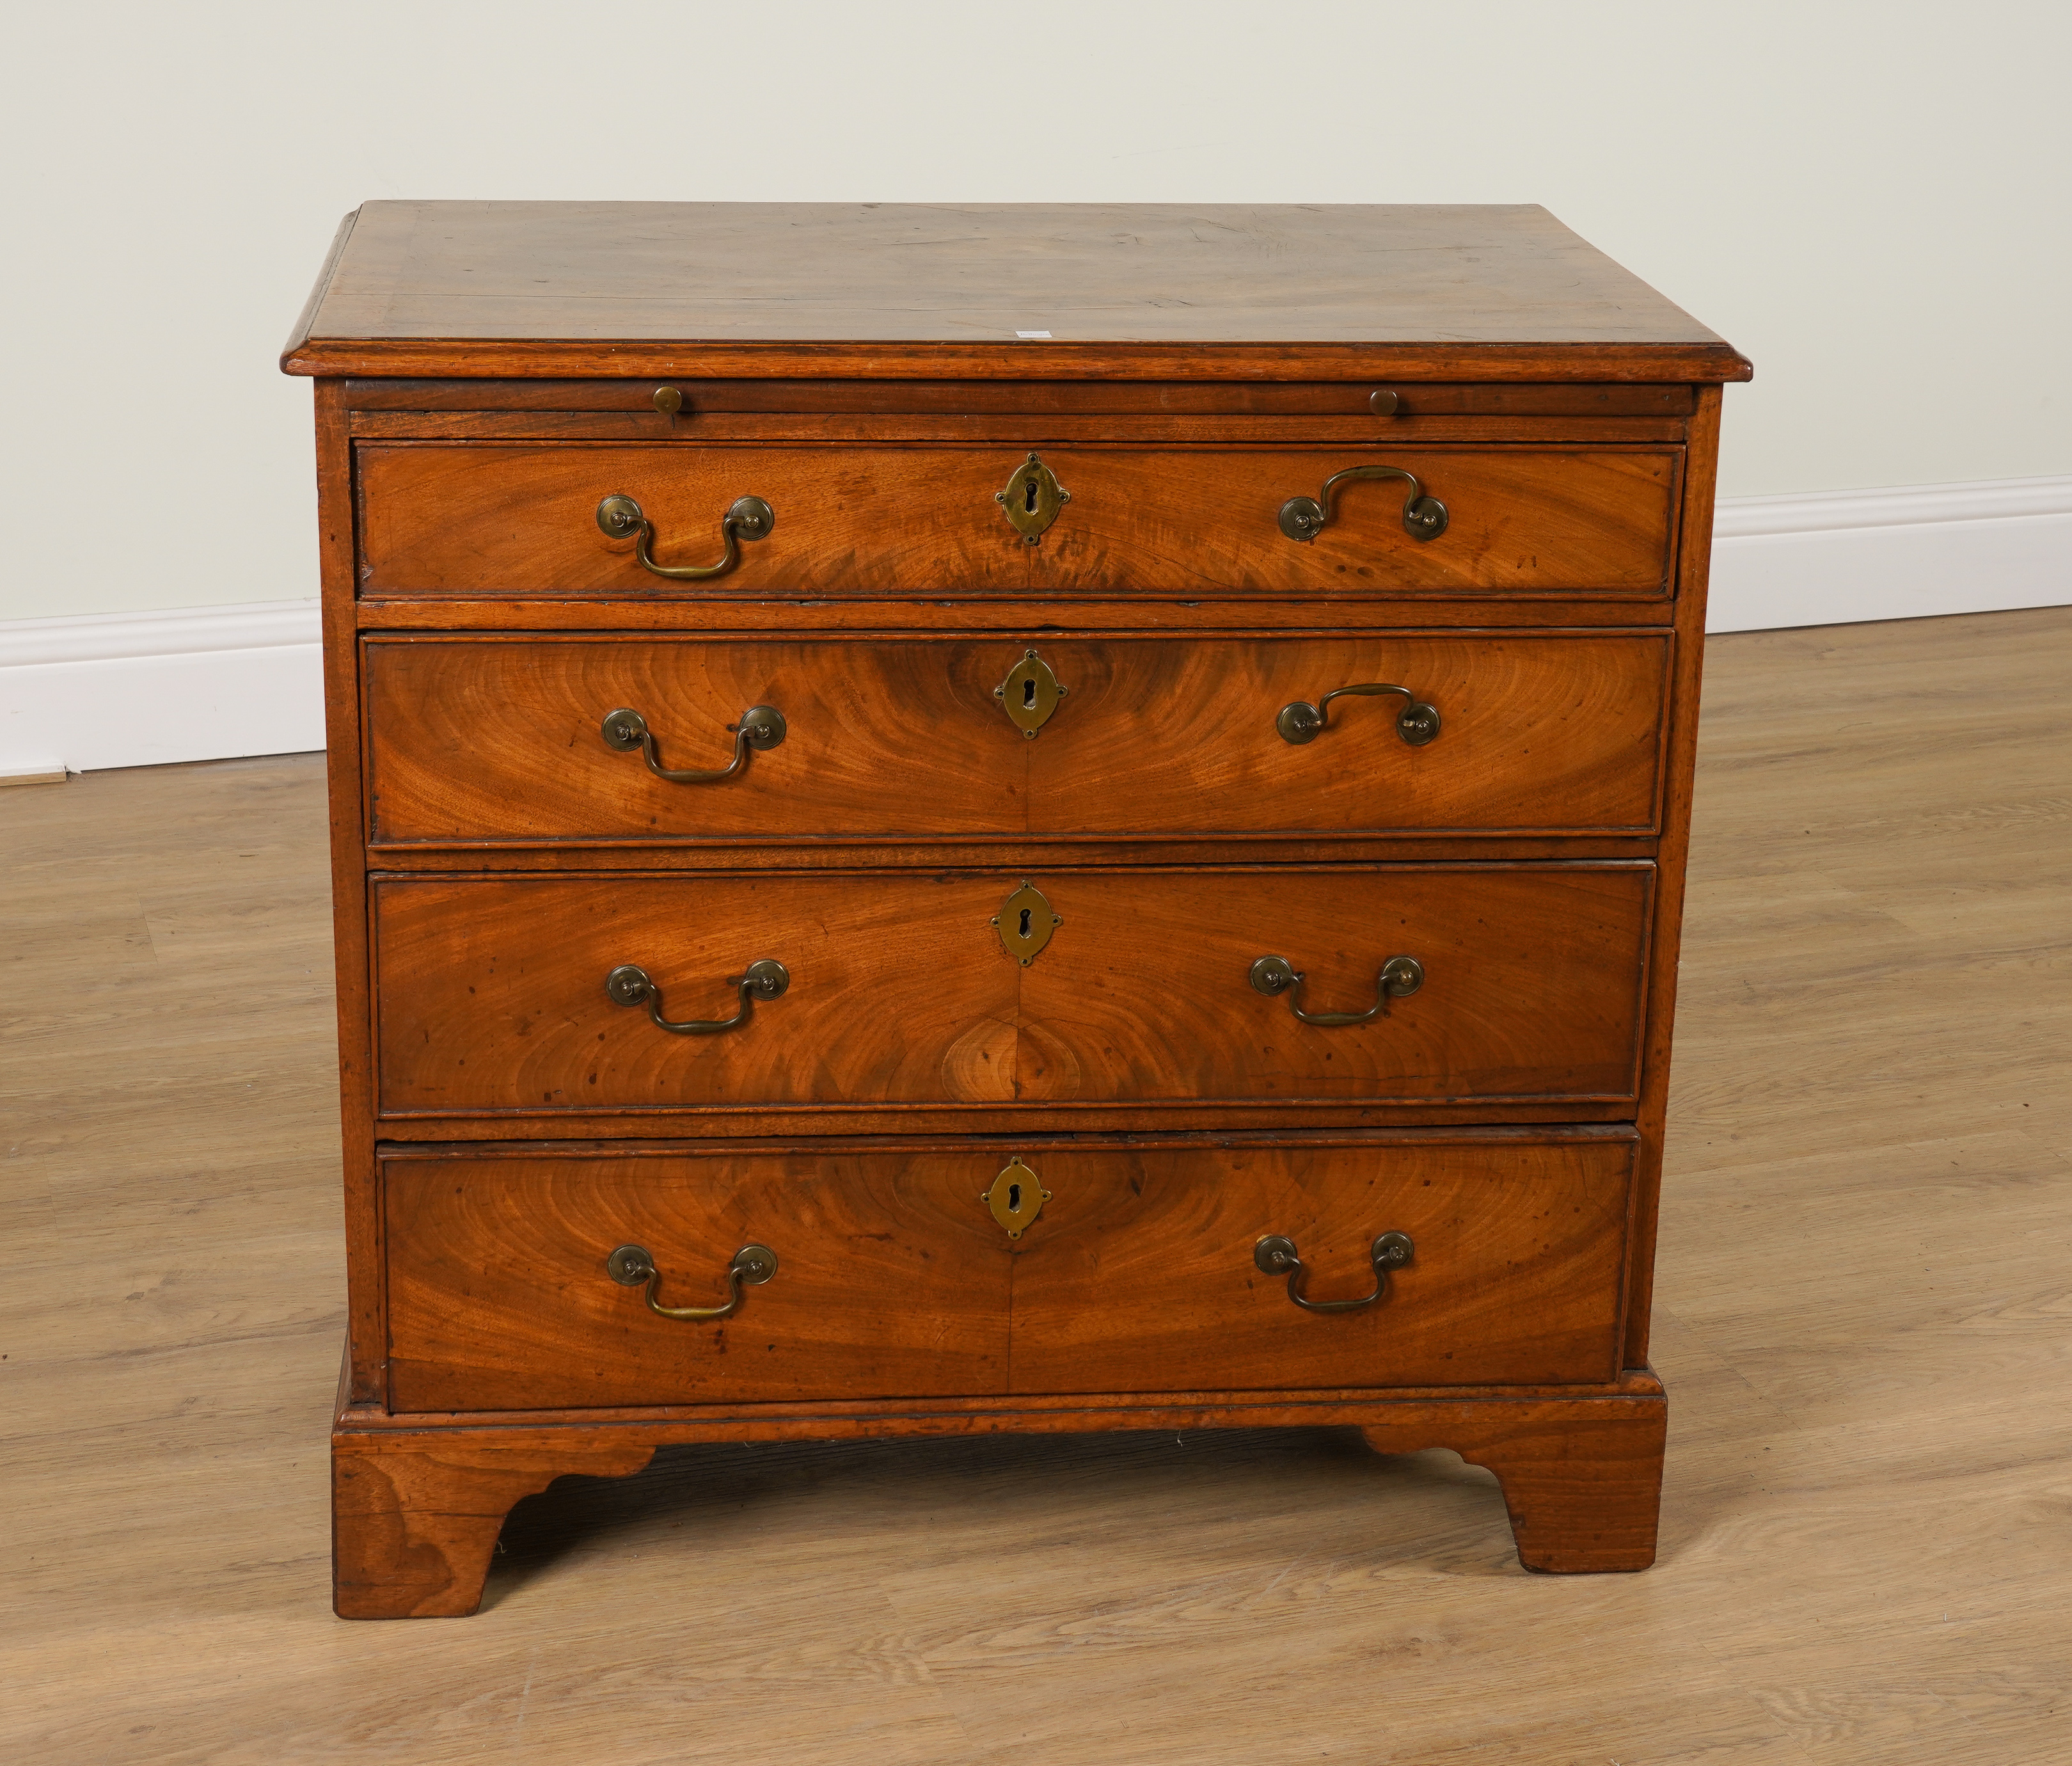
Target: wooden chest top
{"x": 1023, "y": 291}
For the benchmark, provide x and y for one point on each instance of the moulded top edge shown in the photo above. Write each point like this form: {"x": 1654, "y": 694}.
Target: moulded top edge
{"x": 1109, "y": 281}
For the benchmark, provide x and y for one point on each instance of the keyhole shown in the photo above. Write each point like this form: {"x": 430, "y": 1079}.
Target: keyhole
{"x": 1029, "y": 489}
{"x": 1025, "y": 922}
{"x": 1014, "y": 1198}
{"x": 1028, "y": 693}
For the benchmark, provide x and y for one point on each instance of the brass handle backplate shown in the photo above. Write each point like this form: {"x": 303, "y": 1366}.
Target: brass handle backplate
{"x": 1416, "y": 723}
{"x": 1275, "y": 1255}
{"x": 1424, "y": 516}
{"x": 631, "y": 1265}
{"x": 761, "y": 726}
{"x": 630, "y": 985}
{"x": 1399, "y": 976}
{"x": 750, "y": 518}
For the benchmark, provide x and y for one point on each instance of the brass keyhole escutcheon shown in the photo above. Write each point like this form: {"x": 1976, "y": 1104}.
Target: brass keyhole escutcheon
{"x": 1025, "y": 923}
{"x": 1029, "y": 693}
{"x": 1032, "y": 498}
{"x": 1017, "y": 1197}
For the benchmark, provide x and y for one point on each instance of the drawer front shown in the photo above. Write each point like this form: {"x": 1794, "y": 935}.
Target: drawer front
{"x": 901, "y": 991}
{"x": 890, "y": 1279}
{"x": 475, "y": 739}
{"x": 1141, "y": 1270}
{"x": 477, "y": 519}
{"x": 1136, "y": 1272}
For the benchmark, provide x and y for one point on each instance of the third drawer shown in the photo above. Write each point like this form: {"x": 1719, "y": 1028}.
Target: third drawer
{"x": 487, "y": 740}
{"x": 545, "y": 996}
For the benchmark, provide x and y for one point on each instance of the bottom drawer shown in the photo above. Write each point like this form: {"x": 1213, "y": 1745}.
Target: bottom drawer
{"x": 1134, "y": 1268}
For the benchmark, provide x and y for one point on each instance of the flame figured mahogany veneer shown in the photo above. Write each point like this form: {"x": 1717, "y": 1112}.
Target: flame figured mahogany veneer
{"x": 908, "y": 863}
{"x": 452, "y": 519}
{"x": 1161, "y": 737}
{"x": 1141, "y": 1262}
{"x": 491, "y": 998}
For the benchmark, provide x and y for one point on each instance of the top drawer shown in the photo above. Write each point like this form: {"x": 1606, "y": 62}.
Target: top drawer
{"x": 849, "y": 522}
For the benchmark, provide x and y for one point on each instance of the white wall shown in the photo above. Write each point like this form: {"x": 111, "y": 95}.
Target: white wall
{"x": 1869, "y": 199}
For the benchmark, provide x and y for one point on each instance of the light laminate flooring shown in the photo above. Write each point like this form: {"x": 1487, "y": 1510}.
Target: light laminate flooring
{"x": 1864, "y": 1313}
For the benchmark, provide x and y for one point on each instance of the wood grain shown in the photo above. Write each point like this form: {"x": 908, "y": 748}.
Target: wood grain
{"x": 863, "y": 290}
{"x": 1022, "y": 399}
{"x": 344, "y": 764}
{"x": 485, "y": 518}
{"x": 417, "y": 1513}
{"x": 1693, "y": 568}
{"x": 891, "y": 1279}
{"x": 414, "y": 1519}
{"x": 894, "y": 1279}
{"x": 491, "y": 991}
{"x": 300, "y": 333}
{"x": 1380, "y": 363}
{"x": 1017, "y": 431}
{"x": 475, "y": 740}
{"x": 1861, "y": 1295}
{"x": 1582, "y": 1482}
{"x": 1140, "y": 1267}
{"x": 967, "y": 614}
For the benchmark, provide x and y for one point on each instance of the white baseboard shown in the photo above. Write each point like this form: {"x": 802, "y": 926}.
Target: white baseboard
{"x": 137, "y": 690}
{"x": 1834, "y": 557}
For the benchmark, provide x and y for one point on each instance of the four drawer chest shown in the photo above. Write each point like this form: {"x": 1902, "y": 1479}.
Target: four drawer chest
{"x": 953, "y": 820}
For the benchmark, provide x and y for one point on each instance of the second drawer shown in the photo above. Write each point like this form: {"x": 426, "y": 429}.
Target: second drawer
{"x": 474, "y": 739}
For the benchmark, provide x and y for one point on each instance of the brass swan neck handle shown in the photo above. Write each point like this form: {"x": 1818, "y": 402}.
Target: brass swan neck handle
{"x": 1275, "y": 1255}
{"x": 1399, "y": 976}
{"x": 630, "y": 985}
{"x": 1424, "y": 517}
{"x": 762, "y": 726}
{"x": 747, "y": 518}
{"x": 1417, "y": 723}
{"x": 631, "y": 1264}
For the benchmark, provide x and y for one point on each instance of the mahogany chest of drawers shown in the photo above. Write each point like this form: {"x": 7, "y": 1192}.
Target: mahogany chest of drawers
{"x": 955, "y": 820}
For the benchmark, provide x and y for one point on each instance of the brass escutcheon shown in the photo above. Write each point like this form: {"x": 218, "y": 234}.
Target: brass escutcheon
{"x": 1029, "y": 693}
{"x": 1017, "y": 1197}
{"x": 1025, "y": 923}
{"x": 1032, "y": 498}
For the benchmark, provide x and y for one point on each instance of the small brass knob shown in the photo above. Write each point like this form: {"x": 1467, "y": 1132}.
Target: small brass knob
{"x": 1382, "y": 403}
{"x": 668, "y": 401}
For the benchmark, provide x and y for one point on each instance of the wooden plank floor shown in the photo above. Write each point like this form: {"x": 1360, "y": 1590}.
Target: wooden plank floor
{"x": 1864, "y": 1316}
